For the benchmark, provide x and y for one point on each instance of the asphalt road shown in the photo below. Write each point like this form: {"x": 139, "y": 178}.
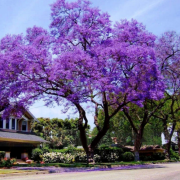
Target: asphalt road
{"x": 165, "y": 172}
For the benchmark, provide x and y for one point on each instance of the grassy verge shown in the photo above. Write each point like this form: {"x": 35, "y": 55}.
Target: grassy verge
{"x": 93, "y": 165}
{"x": 9, "y": 171}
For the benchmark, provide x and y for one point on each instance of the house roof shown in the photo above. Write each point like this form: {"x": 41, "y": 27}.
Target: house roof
{"x": 17, "y": 136}
{"x": 27, "y": 114}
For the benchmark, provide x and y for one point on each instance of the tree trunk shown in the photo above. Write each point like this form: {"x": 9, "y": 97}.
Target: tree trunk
{"x": 168, "y": 143}
{"x": 178, "y": 133}
{"x": 168, "y": 136}
{"x": 94, "y": 143}
{"x": 137, "y": 146}
{"x": 90, "y": 156}
{"x": 167, "y": 152}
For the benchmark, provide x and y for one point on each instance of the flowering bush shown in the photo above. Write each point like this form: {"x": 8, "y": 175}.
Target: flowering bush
{"x": 80, "y": 157}
{"x": 108, "y": 154}
{"x": 2, "y": 154}
{"x": 97, "y": 158}
{"x": 56, "y": 157}
{"x": 7, "y": 162}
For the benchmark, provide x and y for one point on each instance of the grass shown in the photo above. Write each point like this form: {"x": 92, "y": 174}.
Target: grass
{"x": 9, "y": 171}
{"x": 109, "y": 164}
{"x": 56, "y": 165}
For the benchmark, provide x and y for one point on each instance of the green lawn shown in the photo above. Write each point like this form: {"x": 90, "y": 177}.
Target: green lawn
{"x": 91, "y": 165}
{"x": 10, "y": 171}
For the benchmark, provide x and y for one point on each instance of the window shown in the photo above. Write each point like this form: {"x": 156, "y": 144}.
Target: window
{"x": 13, "y": 123}
{"x": 24, "y": 125}
{"x": 1, "y": 122}
{"x": 7, "y": 123}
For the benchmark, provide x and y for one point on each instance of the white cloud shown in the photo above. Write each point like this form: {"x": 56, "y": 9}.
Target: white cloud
{"x": 149, "y": 6}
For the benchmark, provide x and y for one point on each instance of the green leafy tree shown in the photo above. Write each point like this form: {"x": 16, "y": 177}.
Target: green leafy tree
{"x": 60, "y": 133}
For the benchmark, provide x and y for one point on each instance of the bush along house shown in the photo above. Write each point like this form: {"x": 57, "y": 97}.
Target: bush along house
{"x": 16, "y": 138}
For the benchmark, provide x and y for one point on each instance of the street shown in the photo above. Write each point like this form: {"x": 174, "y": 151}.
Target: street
{"x": 165, "y": 172}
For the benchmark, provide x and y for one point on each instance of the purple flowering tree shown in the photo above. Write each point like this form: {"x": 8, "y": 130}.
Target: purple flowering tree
{"x": 83, "y": 60}
{"x": 167, "y": 109}
{"x": 168, "y": 58}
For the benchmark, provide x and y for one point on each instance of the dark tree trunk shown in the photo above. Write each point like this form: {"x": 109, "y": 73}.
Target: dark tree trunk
{"x": 168, "y": 135}
{"x": 101, "y": 132}
{"x": 94, "y": 143}
{"x": 167, "y": 152}
{"x": 137, "y": 131}
{"x": 137, "y": 146}
{"x": 90, "y": 156}
{"x": 178, "y": 133}
{"x": 82, "y": 128}
{"x": 168, "y": 142}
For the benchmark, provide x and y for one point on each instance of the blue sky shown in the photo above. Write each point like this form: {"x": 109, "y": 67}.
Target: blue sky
{"x": 157, "y": 15}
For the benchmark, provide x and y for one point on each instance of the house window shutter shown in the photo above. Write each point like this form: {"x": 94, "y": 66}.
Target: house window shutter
{"x": 7, "y": 123}
{"x": 13, "y": 123}
{"x": 1, "y": 122}
{"x": 24, "y": 125}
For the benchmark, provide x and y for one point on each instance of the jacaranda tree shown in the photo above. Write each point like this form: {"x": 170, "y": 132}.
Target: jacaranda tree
{"x": 82, "y": 60}
{"x": 168, "y": 58}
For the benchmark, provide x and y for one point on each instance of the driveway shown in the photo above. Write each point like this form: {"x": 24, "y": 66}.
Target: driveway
{"x": 169, "y": 171}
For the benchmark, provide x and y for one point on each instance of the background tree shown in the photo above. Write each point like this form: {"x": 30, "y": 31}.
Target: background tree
{"x": 121, "y": 128}
{"x": 139, "y": 118}
{"x": 152, "y": 132}
{"x": 178, "y": 135}
{"x": 60, "y": 133}
{"x": 168, "y": 56}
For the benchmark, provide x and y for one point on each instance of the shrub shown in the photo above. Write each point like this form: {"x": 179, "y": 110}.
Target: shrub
{"x": 174, "y": 155}
{"x": 109, "y": 154}
{"x": 128, "y": 156}
{"x": 97, "y": 158}
{"x": 71, "y": 149}
{"x": 152, "y": 157}
{"x": 7, "y": 162}
{"x": 56, "y": 157}
{"x": 58, "y": 150}
{"x": 68, "y": 150}
{"x": 37, "y": 154}
{"x": 158, "y": 156}
{"x": 2, "y": 154}
{"x": 103, "y": 146}
{"x": 45, "y": 150}
{"x": 80, "y": 157}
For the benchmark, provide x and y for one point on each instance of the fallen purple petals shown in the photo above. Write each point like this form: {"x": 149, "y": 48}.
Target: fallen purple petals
{"x": 86, "y": 169}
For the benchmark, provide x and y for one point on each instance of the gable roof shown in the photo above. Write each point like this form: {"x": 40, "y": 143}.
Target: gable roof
{"x": 26, "y": 114}
{"x": 18, "y": 136}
